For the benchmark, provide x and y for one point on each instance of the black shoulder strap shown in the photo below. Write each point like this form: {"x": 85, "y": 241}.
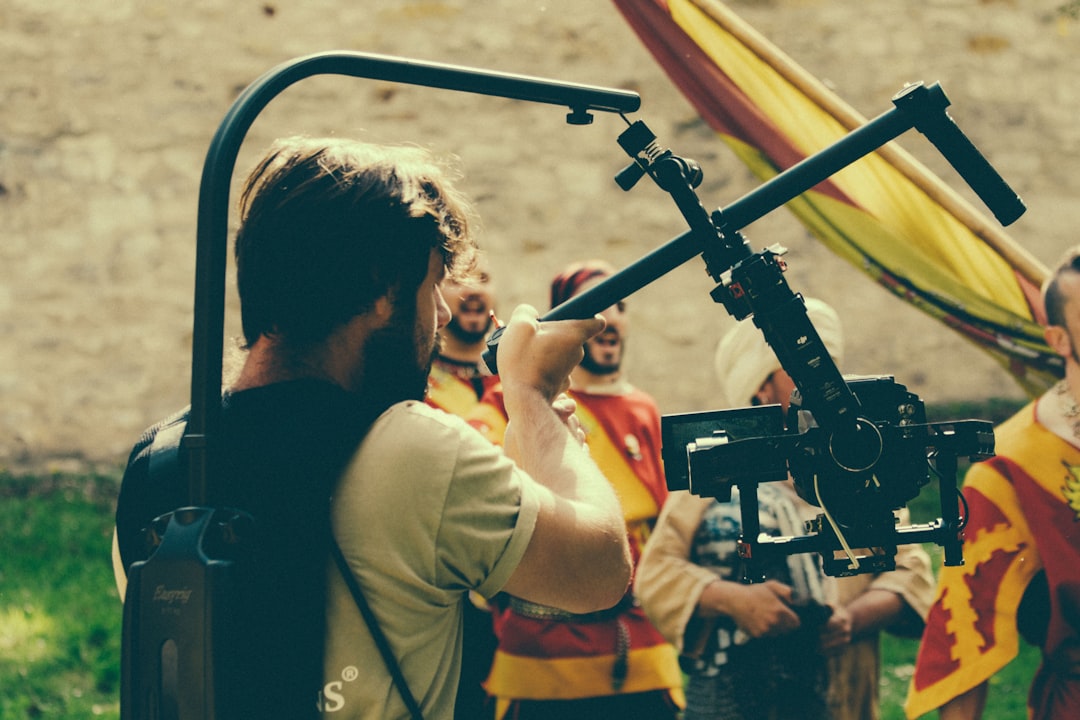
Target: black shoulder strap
{"x": 165, "y": 451}
{"x": 376, "y": 632}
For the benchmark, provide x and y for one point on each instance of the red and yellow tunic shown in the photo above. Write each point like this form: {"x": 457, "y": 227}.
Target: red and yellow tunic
{"x": 1024, "y": 516}
{"x": 456, "y": 387}
{"x": 545, "y": 654}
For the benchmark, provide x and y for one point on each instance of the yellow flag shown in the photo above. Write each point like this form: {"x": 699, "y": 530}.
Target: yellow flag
{"x": 886, "y": 214}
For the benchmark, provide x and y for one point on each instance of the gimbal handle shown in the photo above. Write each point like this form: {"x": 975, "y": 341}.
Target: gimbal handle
{"x": 927, "y": 106}
{"x": 203, "y": 428}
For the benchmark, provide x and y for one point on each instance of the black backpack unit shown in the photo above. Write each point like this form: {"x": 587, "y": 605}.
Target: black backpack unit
{"x": 179, "y": 629}
{"x": 202, "y": 529}
{"x": 225, "y": 607}
{"x": 181, "y": 647}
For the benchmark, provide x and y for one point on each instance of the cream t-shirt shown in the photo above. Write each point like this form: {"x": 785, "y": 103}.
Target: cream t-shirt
{"x": 426, "y": 511}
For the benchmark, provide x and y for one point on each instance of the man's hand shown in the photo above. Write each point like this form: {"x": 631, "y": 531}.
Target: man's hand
{"x": 760, "y": 609}
{"x": 873, "y": 610}
{"x": 837, "y": 632}
{"x": 541, "y": 355}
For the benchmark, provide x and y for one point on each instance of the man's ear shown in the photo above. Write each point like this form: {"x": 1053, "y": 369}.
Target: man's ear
{"x": 384, "y": 309}
{"x": 1058, "y": 339}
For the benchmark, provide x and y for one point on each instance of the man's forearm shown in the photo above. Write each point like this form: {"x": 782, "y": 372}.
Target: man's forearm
{"x": 874, "y": 610}
{"x": 579, "y": 558}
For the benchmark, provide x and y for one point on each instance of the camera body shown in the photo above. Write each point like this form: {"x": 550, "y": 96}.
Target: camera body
{"x": 859, "y": 476}
{"x": 889, "y": 445}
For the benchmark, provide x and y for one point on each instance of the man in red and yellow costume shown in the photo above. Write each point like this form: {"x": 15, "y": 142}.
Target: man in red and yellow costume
{"x": 550, "y": 664}
{"x": 1021, "y": 576}
{"x": 458, "y": 378}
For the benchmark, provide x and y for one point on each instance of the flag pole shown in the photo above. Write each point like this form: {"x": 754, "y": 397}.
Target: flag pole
{"x": 1026, "y": 264}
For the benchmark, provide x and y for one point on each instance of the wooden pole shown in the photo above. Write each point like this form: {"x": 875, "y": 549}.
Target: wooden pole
{"x": 1027, "y": 265}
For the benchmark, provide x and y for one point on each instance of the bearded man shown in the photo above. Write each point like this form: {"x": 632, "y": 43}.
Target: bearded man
{"x": 327, "y": 444}
{"x": 565, "y": 666}
{"x": 1021, "y": 572}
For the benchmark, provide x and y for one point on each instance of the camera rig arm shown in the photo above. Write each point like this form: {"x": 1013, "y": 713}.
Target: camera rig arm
{"x": 203, "y": 428}
{"x": 753, "y": 284}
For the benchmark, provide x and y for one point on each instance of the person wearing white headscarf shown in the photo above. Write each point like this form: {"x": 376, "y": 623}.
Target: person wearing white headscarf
{"x": 683, "y": 598}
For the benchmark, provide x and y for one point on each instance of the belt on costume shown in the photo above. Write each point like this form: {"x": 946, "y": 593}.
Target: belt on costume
{"x": 545, "y": 612}
{"x": 622, "y": 639}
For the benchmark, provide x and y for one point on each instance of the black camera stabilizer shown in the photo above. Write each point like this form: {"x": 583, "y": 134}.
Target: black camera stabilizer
{"x": 175, "y": 655}
{"x": 859, "y": 450}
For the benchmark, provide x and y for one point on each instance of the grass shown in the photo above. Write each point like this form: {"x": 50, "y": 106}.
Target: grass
{"x": 60, "y": 616}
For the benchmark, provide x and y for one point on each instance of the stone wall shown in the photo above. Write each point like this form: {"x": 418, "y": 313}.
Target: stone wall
{"x": 107, "y": 108}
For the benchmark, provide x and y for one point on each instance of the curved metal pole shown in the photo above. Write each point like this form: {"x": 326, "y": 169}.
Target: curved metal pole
{"x": 203, "y": 427}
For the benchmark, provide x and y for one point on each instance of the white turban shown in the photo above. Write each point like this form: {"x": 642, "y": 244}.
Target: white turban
{"x": 744, "y": 360}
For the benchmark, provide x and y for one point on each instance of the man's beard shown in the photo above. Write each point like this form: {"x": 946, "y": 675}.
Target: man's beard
{"x": 392, "y": 369}
{"x": 467, "y": 337}
{"x": 589, "y": 363}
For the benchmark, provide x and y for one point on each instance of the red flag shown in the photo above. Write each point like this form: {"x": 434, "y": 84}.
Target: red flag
{"x": 886, "y": 213}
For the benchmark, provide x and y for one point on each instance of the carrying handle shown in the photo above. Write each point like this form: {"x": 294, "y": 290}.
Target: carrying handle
{"x": 932, "y": 120}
